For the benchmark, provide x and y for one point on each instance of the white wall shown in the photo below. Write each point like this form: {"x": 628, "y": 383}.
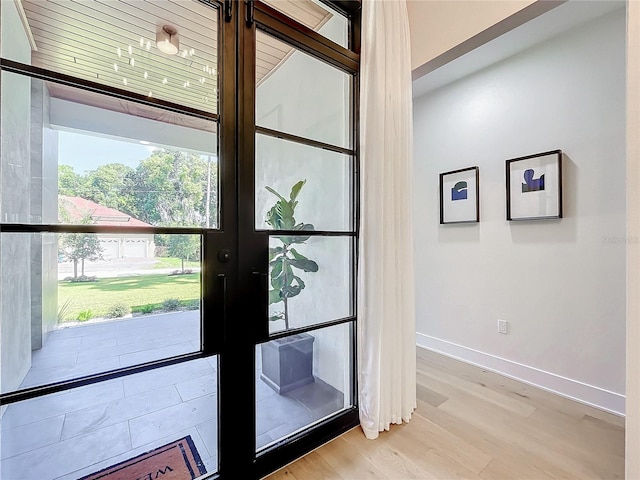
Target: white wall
{"x": 560, "y": 284}
{"x": 633, "y": 247}
{"x": 15, "y": 179}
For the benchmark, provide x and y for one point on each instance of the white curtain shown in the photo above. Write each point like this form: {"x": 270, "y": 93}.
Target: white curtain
{"x": 386, "y": 310}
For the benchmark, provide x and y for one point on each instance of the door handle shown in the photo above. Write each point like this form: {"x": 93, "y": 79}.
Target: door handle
{"x": 224, "y": 255}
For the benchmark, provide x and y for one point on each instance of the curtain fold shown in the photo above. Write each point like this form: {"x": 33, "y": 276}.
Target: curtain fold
{"x": 386, "y": 298}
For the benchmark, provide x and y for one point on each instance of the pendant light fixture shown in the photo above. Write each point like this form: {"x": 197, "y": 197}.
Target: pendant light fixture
{"x": 167, "y": 40}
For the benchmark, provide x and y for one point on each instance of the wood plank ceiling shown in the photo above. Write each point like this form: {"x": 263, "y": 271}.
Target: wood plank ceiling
{"x": 113, "y": 42}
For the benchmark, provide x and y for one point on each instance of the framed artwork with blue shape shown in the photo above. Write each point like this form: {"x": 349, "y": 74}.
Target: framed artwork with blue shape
{"x": 534, "y": 186}
{"x": 460, "y": 196}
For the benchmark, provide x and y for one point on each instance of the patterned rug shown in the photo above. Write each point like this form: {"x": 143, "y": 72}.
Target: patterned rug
{"x": 177, "y": 460}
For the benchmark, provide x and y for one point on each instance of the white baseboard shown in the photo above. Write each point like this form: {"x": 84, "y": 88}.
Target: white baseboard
{"x": 594, "y": 396}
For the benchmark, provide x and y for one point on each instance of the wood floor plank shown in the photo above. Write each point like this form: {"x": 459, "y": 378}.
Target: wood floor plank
{"x": 475, "y": 424}
{"x": 310, "y": 467}
{"x": 341, "y": 458}
{"x": 392, "y": 459}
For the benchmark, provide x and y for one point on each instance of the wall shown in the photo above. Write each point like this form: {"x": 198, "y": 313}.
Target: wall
{"x": 306, "y": 97}
{"x": 44, "y": 201}
{"x": 560, "y": 284}
{"x": 15, "y": 287}
{"x": 633, "y": 247}
{"x": 437, "y": 26}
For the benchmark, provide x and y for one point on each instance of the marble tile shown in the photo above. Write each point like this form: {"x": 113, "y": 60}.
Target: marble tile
{"x": 66, "y": 372}
{"x": 319, "y": 396}
{"x": 209, "y": 433}
{"x": 37, "y": 409}
{"x": 173, "y": 340}
{"x": 60, "y": 345}
{"x": 98, "y": 341}
{"x": 198, "y": 387}
{"x": 67, "y": 456}
{"x": 154, "y": 379}
{"x": 148, "y": 428}
{"x": 88, "y": 419}
{"x": 211, "y": 464}
{"x": 103, "y": 329}
{"x": 275, "y": 411}
{"x": 91, "y": 354}
{"x": 155, "y": 354}
{"x": 31, "y": 436}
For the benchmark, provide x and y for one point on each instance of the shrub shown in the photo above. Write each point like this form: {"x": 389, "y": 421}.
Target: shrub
{"x": 85, "y": 315}
{"x": 148, "y": 308}
{"x": 192, "y": 304}
{"x": 171, "y": 304}
{"x": 118, "y": 310}
{"x": 81, "y": 278}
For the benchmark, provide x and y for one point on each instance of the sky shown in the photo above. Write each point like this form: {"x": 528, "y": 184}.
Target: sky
{"x": 85, "y": 152}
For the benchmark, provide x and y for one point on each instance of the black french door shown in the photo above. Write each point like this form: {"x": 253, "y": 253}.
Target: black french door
{"x": 191, "y": 273}
{"x": 297, "y": 230}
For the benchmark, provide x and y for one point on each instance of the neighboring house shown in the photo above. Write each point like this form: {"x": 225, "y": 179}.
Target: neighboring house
{"x": 115, "y": 245}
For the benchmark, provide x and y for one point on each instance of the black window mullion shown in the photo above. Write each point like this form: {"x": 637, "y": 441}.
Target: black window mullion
{"x": 303, "y": 140}
{"x": 63, "y": 385}
{"x": 278, "y": 25}
{"x": 63, "y": 79}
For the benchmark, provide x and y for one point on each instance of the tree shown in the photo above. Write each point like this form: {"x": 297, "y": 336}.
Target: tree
{"x": 170, "y": 189}
{"x": 69, "y": 182}
{"x": 80, "y": 247}
{"x": 184, "y": 247}
{"x": 111, "y": 185}
{"x": 285, "y": 282}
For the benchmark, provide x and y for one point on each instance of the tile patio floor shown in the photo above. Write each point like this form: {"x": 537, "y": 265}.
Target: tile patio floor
{"x": 77, "y": 432}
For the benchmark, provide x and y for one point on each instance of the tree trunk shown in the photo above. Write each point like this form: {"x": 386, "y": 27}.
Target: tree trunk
{"x": 182, "y": 265}
{"x": 75, "y": 268}
{"x": 82, "y": 266}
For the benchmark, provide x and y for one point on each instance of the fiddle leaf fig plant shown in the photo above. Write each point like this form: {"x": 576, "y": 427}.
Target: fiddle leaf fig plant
{"x": 285, "y": 262}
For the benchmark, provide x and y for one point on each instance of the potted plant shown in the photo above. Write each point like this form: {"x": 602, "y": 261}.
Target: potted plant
{"x": 287, "y": 363}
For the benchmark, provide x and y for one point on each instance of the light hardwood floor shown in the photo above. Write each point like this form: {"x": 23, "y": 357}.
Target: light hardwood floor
{"x": 471, "y": 423}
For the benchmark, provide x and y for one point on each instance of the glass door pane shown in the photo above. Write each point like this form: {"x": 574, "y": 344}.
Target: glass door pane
{"x": 83, "y": 431}
{"x": 109, "y": 200}
{"x": 300, "y": 380}
{"x": 304, "y": 187}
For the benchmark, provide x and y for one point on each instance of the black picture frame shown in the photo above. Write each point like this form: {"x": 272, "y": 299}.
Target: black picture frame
{"x": 534, "y": 186}
{"x": 460, "y": 196}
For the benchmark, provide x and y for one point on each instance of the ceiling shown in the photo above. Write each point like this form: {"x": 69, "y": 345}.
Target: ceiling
{"x": 113, "y": 42}
{"x": 556, "y": 21}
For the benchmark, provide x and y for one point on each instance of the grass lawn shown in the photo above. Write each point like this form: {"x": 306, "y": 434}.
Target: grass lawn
{"x": 171, "y": 262}
{"x": 134, "y": 292}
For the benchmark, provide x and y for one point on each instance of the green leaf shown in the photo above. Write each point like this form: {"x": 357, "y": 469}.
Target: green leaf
{"x": 276, "y": 193}
{"x": 276, "y": 271}
{"x": 300, "y": 282}
{"x": 277, "y": 283}
{"x": 291, "y": 291}
{"x": 274, "y": 297}
{"x": 295, "y": 190}
{"x": 274, "y": 252}
{"x": 297, "y": 255}
{"x": 306, "y": 265}
{"x": 274, "y": 318}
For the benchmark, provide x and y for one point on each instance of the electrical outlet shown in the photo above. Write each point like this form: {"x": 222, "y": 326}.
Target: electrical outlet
{"x": 503, "y": 327}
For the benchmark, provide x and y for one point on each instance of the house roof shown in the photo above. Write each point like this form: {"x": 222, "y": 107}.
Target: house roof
{"x": 78, "y": 208}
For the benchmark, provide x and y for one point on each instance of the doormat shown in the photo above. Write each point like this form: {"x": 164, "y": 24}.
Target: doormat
{"x": 177, "y": 460}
